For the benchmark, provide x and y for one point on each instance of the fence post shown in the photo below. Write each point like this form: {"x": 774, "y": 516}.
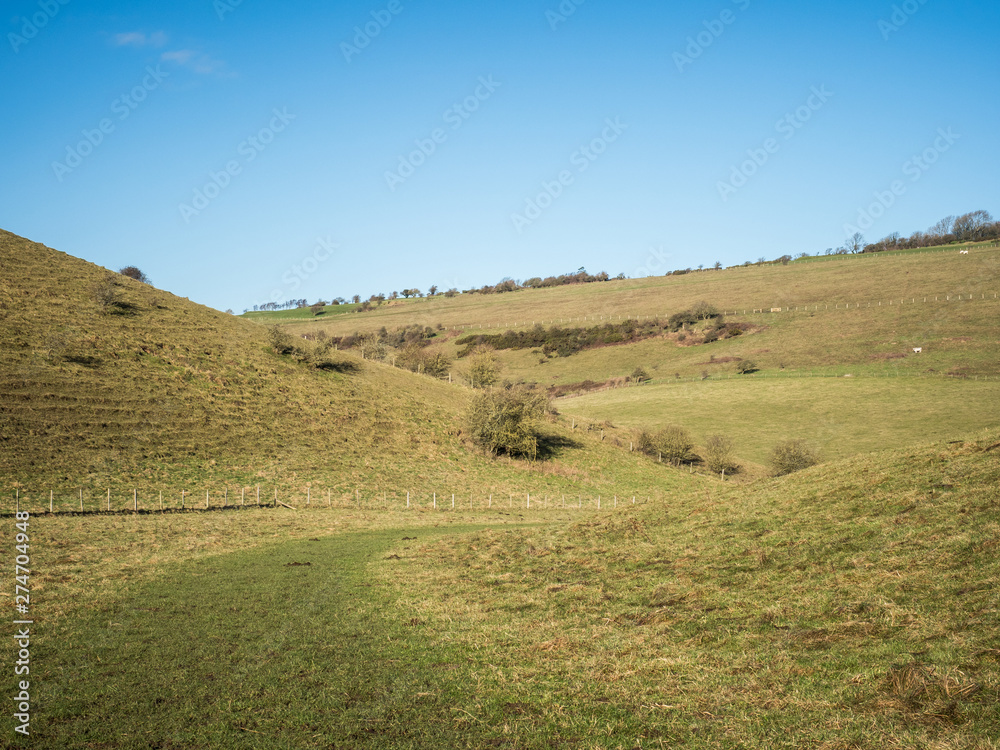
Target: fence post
{"x": 182, "y": 499}
{"x": 50, "y": 500}
{"x": 135, "y": 501}
{"x": 109, "y": 499}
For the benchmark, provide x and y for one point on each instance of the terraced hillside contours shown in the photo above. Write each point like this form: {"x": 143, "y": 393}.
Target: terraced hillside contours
{"x": 156, "y": 389}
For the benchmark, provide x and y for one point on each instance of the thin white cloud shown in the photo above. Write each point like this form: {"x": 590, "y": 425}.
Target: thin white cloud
{"x": 140, "y": 39}
{"x": 197, "y": 62}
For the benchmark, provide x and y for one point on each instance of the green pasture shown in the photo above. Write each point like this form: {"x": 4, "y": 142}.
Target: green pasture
{"x": 840, "y": 416}
{"x": 851, "y": 605}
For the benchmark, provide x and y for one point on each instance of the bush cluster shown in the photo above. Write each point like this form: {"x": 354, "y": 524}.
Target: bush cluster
{"x": 567, "y": 341}
{"x": 505, "y": 420}
{"x": 792, "y": 455}
{"x": 674, "y": 444}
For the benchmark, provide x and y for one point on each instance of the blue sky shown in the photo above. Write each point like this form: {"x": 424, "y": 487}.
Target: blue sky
{"x": 239, "y": 152}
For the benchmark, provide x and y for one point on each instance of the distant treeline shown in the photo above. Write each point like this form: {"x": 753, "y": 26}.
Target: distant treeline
{"x": 975, "y": 226}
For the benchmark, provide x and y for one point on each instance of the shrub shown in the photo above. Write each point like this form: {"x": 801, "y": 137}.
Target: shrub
{"x": 746, "y": 366}
{"x": 417, "y": 359}
{"x": 703, "y": 311}
{"x": 505, "y": 420}
{"x": 792, "y": 455}
{"x": 639, "y": 375}
{"x": 106, "y": 292}
{"x": 372, "y": 346}
{"x": 134, "y": 273}
{"x": 719, "y": 454}
{"x": 484, "y": 367}
{"x": 673, "y": 443}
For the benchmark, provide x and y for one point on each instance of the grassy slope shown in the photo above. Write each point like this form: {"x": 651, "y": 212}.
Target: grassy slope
{"x": 836, "y": 281}
{"x": 848, "y": 606}
{"x": 841, "y": 417}
{"x": 959, "y": 338}
{"x": 176, "y": 395}
{"x": 960, "y": 341}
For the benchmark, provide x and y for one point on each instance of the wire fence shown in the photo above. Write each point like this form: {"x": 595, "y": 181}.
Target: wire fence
{"x": 733, "y": 310}
{"x": 80, "y": 501}
{"x": 842, "y": 373}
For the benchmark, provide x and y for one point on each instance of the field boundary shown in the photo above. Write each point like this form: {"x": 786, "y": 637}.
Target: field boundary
{"x": 50, "y": 503}
{"x": 736, "y": 311}
{"x": 788, "y": 376}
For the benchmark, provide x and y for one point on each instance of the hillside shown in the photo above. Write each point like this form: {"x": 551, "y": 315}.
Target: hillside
{"x": 157, "y": 392}
{"x": 836, "y": 366}
{"x": 852, "y": 605}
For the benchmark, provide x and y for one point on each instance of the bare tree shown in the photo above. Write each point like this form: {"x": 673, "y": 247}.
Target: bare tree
{"x": 856, "y": 242}
{"x": 970, "y": 227}
{"x": 134, "y": 273}
{"x": 943, "y": 227}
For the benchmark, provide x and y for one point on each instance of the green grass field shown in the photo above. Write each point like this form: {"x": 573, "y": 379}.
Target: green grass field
{"x": 840, "y": 416}
{"x": 848, "y": 606}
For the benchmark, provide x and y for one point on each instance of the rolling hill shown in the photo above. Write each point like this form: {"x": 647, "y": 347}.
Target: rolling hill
{"x": 832, "y": 340}
{"x": 151, "y": 391}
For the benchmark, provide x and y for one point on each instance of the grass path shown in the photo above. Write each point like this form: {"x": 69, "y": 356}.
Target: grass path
{"x": 290, "y": 646}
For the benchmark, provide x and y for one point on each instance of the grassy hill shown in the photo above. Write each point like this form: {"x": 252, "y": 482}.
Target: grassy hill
{"x": 849, "y": 606}
{"x": 156, "y": 392}
{"x": 853, "y": 318}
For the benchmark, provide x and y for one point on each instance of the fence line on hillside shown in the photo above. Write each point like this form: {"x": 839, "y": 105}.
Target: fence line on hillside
{"x": 134, "y": 501}
{"x": 845, "y": 375}
{"x": 762, "y": 310}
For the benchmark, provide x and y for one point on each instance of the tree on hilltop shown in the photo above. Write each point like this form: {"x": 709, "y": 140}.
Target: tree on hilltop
{"x": 134, "y": 273}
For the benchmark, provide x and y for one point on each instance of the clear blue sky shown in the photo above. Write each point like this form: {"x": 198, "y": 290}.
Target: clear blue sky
{"x": 633, "y": 115}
